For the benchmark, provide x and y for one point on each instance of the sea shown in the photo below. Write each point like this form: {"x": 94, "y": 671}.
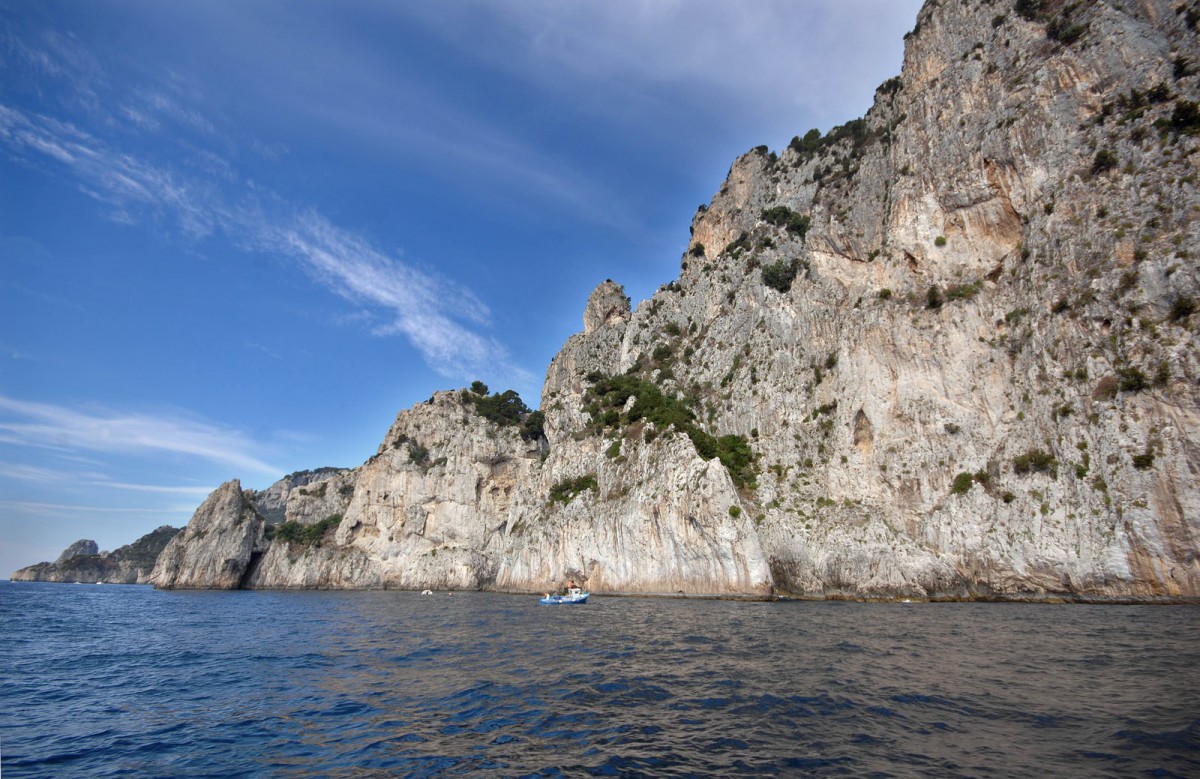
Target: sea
{"x": 112, "y": 680}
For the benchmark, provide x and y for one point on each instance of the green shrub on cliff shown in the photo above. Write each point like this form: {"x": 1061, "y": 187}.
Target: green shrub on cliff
{"x": 1035, "y": 460}
{"x": 568, "y": 489}
{"x": 294, "y": 532}
{"x": 962, "y": 484}
{"x": 780, "y": 275}
{"x": 506, "y": 409}
{"x": 809, "y": 144}
{"x": 418, "y": 454}
{"x": 1186, "y": 117}
{"x": 606, "y": 401}
{"x": 782, "y": 216}
{"x": 1105, "y": 160}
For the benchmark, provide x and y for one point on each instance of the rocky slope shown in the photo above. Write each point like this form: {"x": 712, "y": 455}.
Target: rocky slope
{"x": 946, "y": 350}
{"x": 83, "y": 562}
{"x": 218, "y": 545}
{"x": 304, "y": 496}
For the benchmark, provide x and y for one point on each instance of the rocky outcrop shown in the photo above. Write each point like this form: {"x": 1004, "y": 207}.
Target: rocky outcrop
{"x": 943, "y": 351}
{"x": 607, "y": 305}
{"x": 656, "y": 518}
{"x": 83, "y": 563}
{"x": 81, "y": 548}
{"x": 304, "y": 496}
{"x": 218, "y": 546}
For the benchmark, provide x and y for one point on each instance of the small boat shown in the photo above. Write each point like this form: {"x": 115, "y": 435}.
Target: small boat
{"x": 574, "y": 595}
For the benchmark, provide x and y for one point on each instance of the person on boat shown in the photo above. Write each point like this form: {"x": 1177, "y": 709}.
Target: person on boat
{"x": 570, "y": 586}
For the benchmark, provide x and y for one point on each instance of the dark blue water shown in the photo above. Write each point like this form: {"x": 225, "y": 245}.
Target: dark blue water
{"x": 117, "y": 680}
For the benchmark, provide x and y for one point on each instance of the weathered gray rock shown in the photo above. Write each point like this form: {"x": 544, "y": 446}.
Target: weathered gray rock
{"x": 452, "y": 501}
{"x": 974, "y": 175}
{"x": 957, "y": 336}
{"x": 80, "y": 548}
{"x": 216, "y": 549}
{"x": 607, "y": 305}
{"x": 305, "y": 496}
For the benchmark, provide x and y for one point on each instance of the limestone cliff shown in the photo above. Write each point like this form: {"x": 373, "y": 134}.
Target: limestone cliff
{"x": 218, "y": 545}
{"x": 304, "y": 496}
{"x": 945, "y": 350}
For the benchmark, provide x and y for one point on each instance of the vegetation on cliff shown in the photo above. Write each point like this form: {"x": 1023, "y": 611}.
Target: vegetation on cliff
{"x": 505, "y": 409}
{"x": 609, "y": 396}
{"x": 567, "y": 490}
{"x": 294, "y": 532}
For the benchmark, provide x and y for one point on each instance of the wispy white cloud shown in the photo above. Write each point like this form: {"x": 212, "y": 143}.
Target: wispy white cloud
{"x": 792, "y": 59}
{"x": 153, "y": 488}
{"x": 430, "y": 311}
{"x": 425, "y": 308}
{"x": 24, "y": 472}
{"x": 141, "y": 118}
{"x": 262, "y": 349}
{"x": 160, "y": 104}
{"x": 34, "y": 474}
{"x": 474, "y": 150}
{"x": 116, "y": 179}
{"x": 48, "y": 426}
{"x": 35, "y": 507}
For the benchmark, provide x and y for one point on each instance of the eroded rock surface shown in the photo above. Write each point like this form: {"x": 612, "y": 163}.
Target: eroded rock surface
{"x": 218, "y": 546}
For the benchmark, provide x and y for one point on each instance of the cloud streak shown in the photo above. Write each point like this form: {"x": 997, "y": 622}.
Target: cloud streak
{"x": 118, "y": 180}
{"x": 48, "y": 426}
{"x": 55, "y": 509}
{"x": 651, "y": 50}
{"x": 420, "y": 303}
{"x": 431, "y": 312}
{"x": 23, "y": 472}
{"x": 156, "y": 489}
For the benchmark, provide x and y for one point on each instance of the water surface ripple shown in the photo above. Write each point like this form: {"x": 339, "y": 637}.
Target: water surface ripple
{"x": 102, "y": 681}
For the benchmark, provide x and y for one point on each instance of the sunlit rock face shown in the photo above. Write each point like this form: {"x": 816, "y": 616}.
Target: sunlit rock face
{"x": 956, "y": 336}
{"x": 218, "y": 545}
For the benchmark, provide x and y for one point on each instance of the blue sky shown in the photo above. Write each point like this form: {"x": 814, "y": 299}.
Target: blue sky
{"x": 237, "y": 237}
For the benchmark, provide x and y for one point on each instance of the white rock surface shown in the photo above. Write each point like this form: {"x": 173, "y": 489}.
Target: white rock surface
{"x": 217, "y": 547}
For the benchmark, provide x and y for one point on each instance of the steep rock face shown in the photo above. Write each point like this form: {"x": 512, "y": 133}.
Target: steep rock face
{"x": 956, "y": 337}
{"x": 608, "y": 304}
{"x": 305, "y": 496}
{"x": 657, "y": 520}
{"x": 422, "y": 512}
{"x": 454, "y": 501}
{"x": 964, "y": 303}
{"x": 217, "y": 547}
{"x": 659, "y": 516}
